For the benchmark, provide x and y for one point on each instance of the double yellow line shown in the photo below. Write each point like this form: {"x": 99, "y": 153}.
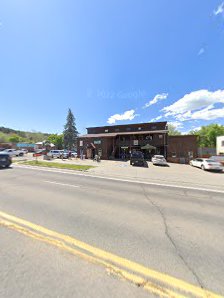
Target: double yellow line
{"x": 155, "y": 282}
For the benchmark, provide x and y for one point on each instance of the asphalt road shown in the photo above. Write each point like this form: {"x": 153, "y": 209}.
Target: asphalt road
{"x": 176, "y": 231}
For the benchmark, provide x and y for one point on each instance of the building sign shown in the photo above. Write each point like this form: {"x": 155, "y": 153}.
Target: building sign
{"x": 135, "y": 142}
{"x": 22, "y": 145}
{"x": 80, "y": 143}
{"x": 97, "y": 142}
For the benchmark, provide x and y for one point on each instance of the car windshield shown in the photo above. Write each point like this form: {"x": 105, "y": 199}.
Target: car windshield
{"x": 137, "y": 154}
{"x": 210, "y": 160}
{"x": 159, "y": 157}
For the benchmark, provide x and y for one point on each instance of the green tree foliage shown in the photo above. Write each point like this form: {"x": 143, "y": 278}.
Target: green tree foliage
{"x": 14, "y": 138}
{"x": 207, "y": 134}
{"x": 3, "y": 137}
{"x": 8, "y": 134}
{"x": 70, "y": 132}
{"x": 173, "y": 130}
{"x": 57, "y": 140}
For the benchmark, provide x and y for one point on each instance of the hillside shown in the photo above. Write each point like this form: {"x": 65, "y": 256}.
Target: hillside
{"x": 15, "y": 136}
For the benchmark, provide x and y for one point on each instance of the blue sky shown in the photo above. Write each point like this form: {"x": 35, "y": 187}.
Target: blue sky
{"x": 111, "y": 62}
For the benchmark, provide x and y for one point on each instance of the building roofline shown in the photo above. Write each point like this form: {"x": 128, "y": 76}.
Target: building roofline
{"x": 132, "y": 124}
{"x": 179, "y": 136}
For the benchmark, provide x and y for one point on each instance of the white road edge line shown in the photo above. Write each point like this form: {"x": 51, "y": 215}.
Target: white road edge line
{"x": 63, "y": 184}
{"x": 122, "y": 180}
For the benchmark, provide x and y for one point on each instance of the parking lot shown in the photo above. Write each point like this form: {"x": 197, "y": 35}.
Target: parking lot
{"x": 174, "y": 174}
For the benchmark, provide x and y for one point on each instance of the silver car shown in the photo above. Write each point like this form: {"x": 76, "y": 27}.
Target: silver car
{"x": 159, "y": 160}
{"x": 55, "y": 153}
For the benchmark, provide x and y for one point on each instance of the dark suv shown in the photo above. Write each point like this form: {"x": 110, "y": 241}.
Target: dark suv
{"x": 137, "y": 158}
{"x": 5, "y": 160}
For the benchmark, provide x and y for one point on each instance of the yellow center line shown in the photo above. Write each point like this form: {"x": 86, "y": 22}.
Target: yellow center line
{"x": 152, "y": 287}
{"x": 163, "y": 281}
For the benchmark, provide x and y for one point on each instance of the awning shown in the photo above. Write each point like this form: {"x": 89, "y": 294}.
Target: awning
{"x": 112, "y": 134}
{"x": 148, "y": 147}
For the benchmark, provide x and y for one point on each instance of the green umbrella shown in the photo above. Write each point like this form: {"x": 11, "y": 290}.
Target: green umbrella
{"x": 148, "y": 147}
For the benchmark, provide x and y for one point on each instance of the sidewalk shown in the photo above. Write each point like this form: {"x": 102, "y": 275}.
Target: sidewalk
{"x": 175, "y": 174}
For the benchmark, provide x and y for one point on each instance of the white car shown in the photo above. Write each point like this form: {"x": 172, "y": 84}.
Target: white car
{"x": 55, "y": 153}
{"x": 25, "y": 151}
{"x": 74, "y": 154}
{"x": 206, "y": 164}
{"x": 14, "y": 152}
{"x": 159, "y": 160}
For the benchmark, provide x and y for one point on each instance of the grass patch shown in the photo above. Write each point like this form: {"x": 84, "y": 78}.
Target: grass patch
{"x": 57, "y": 165}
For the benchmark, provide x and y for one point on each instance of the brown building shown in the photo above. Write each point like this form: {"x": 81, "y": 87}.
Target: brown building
{"x": 114, "y": 142}
{"x": 181, "y": 149}
{"x": 118, "y": 141}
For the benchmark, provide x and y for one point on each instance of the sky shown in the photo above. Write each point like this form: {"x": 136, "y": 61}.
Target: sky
{"x": 111, "y": 62}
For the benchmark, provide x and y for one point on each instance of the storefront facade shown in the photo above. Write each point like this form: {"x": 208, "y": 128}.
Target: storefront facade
{"x": 117, "y": 142}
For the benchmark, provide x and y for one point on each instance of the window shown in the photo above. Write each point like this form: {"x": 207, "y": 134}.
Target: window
{"x": 117, "y": 129}
{"x": 128, "y": 128}
{"x": 139, "y": 128}
{"x": 135, "y": 142}
{"x": 97, "y": 142}
{"x": 80, "y": 143}
{"x": 154, "y": 127}
{"x": 160, "y": 136}
{"x": 106, "y": 130}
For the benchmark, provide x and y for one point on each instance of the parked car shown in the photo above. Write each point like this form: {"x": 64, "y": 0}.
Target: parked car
{"x": 219, "y": 158}
{"x": 55, "y": 153}
{"x": 25, "y": 151}
{"x": 74, "y": 154}
{"x": 137, "y": 158}
{"x": 159, "y": 160}
{"x": 64, "y": 153}
{"x": 40, "y": 152}
{"x": 206, "y": 164}
{"x": 13, "y": 152}
{"x": 5, "y": 159}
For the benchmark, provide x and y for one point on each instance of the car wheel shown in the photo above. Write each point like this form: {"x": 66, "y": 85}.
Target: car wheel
{"x": 203, "y": 167}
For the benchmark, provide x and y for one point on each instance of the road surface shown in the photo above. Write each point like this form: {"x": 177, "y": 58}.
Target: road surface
{"x": 126, "y": 239}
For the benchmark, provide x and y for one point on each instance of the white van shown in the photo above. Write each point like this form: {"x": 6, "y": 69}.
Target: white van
{"x": 55, "y": 153}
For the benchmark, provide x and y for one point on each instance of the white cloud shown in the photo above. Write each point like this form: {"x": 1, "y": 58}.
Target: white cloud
{"x": 201, "y": 51}
{"x": 156, "y": 119}
{"x": 196, "y": 128}
{"x": 157, "y": 98}
{"x": 197, "y": 105}
{"x": 177, "y": 124}
{"x": 219, "y": 9}
{"x": 207, "y": 114}
{"x": 128, "y": 115}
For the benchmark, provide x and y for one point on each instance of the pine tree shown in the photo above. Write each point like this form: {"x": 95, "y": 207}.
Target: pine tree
{"x": 70, "y": 132}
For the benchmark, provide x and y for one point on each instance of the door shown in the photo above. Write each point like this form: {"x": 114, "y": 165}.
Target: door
{"x": 89, "y": 153}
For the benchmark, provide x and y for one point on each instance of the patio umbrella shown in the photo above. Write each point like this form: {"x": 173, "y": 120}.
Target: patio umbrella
{"x": 148, "y": 147}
